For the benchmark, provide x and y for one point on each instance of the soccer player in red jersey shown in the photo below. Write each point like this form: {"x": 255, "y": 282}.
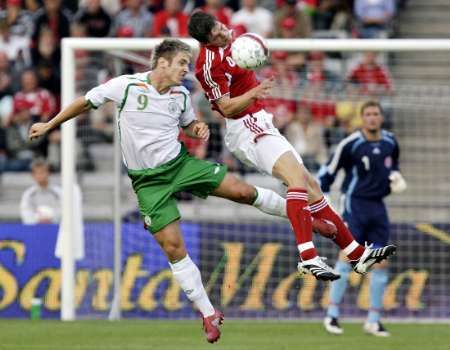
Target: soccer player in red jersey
{"x": 250, "y": 135}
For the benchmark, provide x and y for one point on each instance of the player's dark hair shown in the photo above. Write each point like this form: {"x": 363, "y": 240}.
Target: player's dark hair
{"x": 370, "y": 103}
{"x": 200, "y": 26}
{"x": 168, "y": 48}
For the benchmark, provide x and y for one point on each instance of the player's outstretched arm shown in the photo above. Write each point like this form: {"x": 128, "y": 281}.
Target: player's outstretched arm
{"x": 77, "y": 107}
{"x": 232, "y": 106}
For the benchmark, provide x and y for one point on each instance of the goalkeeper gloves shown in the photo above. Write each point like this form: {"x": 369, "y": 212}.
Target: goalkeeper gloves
{"x": 398, "y": 183}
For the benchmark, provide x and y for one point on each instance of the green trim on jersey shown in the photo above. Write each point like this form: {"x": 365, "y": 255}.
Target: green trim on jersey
{"x": 91, "y": 104}
{"x": 155, "y": 188}
{"x": 185, "y": 98}
{"x": 124, "y": 100}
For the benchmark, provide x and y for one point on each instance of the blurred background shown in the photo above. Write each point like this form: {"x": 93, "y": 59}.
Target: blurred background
{"x": 315, "y": 104}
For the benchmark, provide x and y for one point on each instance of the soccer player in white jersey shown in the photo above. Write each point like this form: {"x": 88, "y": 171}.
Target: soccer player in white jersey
{"x": 251, "y": 136}
{"x": 152, "y": 107}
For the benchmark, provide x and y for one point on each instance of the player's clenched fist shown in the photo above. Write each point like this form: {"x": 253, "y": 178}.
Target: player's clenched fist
{"x": 201, "y": 131}
{"x": 37, "y": 129}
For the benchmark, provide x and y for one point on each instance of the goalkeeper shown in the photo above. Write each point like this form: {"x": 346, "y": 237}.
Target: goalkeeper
{"x": 152, "y": 106}
{"x": 370, "y": 159}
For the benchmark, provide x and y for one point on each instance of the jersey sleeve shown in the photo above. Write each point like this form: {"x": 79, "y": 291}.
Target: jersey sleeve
{"x": 396, "y": 156}
{"x": 339, "y": 159}
{"x": 112, "y": 90}
{"x": 188, "y": 114}
{"x": 212, "y": 78}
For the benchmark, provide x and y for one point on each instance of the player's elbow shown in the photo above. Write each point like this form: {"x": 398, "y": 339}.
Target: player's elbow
{"x": 227, "y": 111}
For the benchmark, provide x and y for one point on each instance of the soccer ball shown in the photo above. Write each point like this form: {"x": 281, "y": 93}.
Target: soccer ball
{"x": 249, "y": 51}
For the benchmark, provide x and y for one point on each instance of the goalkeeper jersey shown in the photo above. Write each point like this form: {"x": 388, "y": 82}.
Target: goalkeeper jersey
{"x": 148, "y": 121}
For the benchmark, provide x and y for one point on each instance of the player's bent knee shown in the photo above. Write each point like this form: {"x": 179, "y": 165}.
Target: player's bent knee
{"x": 244, "y": 193}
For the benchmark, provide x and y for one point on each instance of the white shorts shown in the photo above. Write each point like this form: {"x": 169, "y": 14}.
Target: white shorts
{"x": 256, "y": 142}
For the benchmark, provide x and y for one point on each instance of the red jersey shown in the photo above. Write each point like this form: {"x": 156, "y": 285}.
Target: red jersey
{"x": 366, "y": 76}
{"x": 219, "y": 75}
{"x": 167, "y": 25}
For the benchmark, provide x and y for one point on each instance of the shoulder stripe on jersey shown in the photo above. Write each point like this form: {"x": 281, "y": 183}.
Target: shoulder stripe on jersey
{"x": 337, "y": 154}
{"x": 207, "y": 73}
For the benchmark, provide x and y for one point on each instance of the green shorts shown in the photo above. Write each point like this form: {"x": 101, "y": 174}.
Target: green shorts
{"x": 155, "y": 188}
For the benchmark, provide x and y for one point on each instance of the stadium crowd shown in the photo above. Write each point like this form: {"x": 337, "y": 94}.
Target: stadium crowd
{"x": 315, "y": 101}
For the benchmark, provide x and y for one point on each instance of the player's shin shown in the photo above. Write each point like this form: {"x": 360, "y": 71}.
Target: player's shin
{"x": 270, "y": 202}
{"x": 187, "y": 274}
{"x": 344, "y": 239}
{"x": 300, "y": 218}
{"x": 378, "y": 281}
{"x": 338, "y": 288}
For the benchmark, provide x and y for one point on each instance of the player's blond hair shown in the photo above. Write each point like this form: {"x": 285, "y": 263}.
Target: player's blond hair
{"x": 168, "y": 48}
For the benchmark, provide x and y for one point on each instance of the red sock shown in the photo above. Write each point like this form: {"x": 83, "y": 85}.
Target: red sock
{"x": 300, "y": 218}
{"x": 344, "y": 238}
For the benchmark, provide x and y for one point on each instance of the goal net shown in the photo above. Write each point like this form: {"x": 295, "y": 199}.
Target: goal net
{"x": 247, "y": 259}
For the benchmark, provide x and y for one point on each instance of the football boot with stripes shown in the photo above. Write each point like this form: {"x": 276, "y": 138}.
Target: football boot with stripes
{"x": 332, "y": 325}
{"x": 318, "y": 268}
{"x": 376, "y": 328}
{"x": 372, "y": 256}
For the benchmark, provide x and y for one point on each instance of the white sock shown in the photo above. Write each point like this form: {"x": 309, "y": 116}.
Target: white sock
{"x": 270, "y": 202}
{"x": 187, "y": 274}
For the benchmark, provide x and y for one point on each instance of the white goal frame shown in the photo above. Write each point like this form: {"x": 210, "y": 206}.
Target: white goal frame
{"x": 69, "y": 45}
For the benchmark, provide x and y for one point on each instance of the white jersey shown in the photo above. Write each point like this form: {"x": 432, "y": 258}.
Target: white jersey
{"x": 148, "y": 121}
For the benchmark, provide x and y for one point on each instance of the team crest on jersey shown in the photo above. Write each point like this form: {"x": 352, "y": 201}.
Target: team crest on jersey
{"x": 388, "y": 162}
{"x": 173, "y": 107}
{"x": 147, "y": 221}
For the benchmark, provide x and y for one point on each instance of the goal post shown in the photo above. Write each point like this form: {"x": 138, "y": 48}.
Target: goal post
{"x": 69, "y": 45}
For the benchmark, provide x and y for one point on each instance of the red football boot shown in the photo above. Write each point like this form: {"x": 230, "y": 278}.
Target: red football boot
{"x": 211, "y": 326}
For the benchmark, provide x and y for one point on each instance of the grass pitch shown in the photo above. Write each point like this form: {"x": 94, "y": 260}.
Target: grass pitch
{"x": 188, "y": 335}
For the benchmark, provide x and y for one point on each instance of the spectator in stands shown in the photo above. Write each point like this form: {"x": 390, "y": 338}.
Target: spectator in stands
{"x": 21, "y": 151}
{"x": 374, "y": 17}
{"x": 318, "y": 76}
{"x": 32, "y": 5}
{"x": 2, "y": 151}
{"x": 94, "y": 18}
{"x": 46, "y": 50}
{"x": 256, "y": 19}
{"x": 54, "y": 17}
{"x": 296, "y": 60}
{"x": 41, "y": 102}
{"x": 332, "y": 15}
{"x": 41, "y": 203}
{"x": 19, "y": 21}
{"x": 219, "y": 10}
{"x": 171, "y": 21}
{"x": 290, "y": 17}
{"x": 307, "y": 138}
{"x": 371, "y": 77}
{"x": 135, "y": 18}
{"x": 16, "y": 47}
{"x": 281, "y": 103}
{"x": 6, "y": 90}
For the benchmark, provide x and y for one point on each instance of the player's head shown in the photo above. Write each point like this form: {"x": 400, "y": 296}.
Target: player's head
{"x": 40, "y": 172}
{"x": 372, "y": 116}
{"x": 171, "y": 58}
{"x": 207, "y": 30}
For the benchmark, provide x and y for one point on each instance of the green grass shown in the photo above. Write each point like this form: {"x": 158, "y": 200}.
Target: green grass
{"x": 236, "y": 335}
